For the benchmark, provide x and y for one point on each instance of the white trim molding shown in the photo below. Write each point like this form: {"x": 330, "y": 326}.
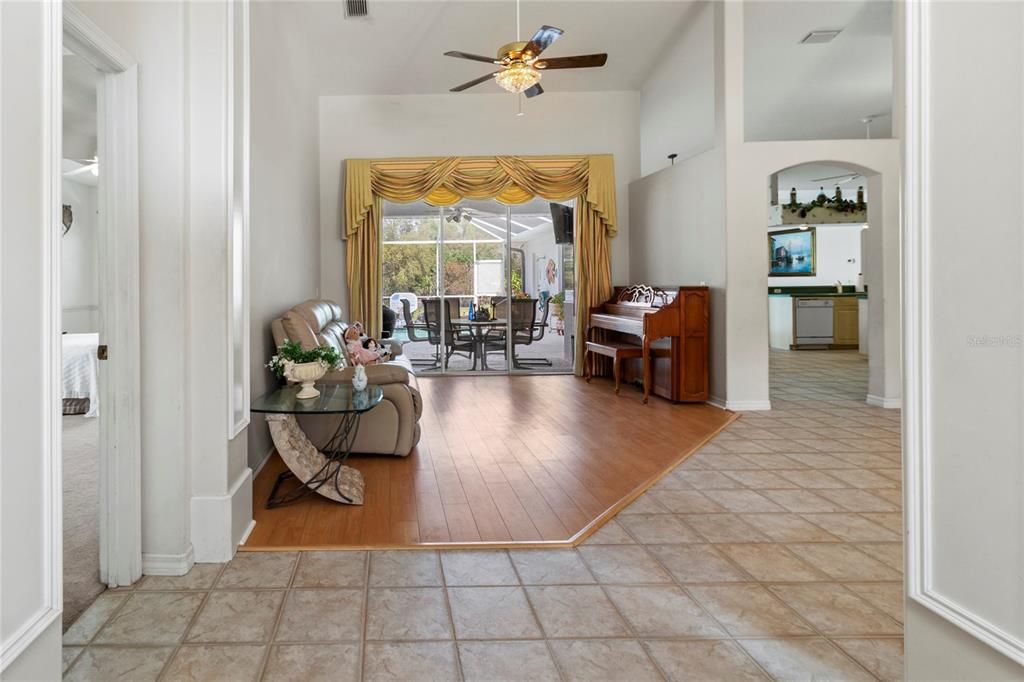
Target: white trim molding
{"x": 220, "y": 522}
{"x": 168, "y": 564}
{"x": 887, "y": 403}
{"x": 917, "y": 411}
{"x": 237, "y": 191}
{"x": 748, "y": 405}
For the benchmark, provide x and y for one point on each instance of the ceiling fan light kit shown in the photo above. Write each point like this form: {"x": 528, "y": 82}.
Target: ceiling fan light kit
{"x": 520, "y": 64}
{"x": 518, "y": 77}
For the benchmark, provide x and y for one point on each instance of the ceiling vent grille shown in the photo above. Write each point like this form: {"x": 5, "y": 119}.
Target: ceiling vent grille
{"x": 816, "y": 37}
{"x": 355, "y": 8}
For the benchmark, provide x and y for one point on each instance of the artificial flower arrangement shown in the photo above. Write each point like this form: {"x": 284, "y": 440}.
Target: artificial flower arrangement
{"x": 290, "y": 353}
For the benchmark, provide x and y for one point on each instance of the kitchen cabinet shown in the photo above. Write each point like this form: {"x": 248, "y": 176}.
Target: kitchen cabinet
{"x": 845, "y": 326}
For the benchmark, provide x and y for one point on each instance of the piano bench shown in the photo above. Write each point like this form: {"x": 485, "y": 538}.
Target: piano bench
{"x": 617, "y": 351}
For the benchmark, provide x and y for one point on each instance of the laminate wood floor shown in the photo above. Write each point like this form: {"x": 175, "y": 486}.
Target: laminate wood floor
{"x": 524, "y": 460}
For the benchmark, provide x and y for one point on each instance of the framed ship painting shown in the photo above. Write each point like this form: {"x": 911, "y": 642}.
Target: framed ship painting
{"x": 792, "y": 253}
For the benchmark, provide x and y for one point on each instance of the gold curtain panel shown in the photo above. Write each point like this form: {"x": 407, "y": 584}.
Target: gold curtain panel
{"x": 443, "y": 181}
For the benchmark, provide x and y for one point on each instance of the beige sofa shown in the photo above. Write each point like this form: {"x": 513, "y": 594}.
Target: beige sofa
{"x": 391, "y": 428}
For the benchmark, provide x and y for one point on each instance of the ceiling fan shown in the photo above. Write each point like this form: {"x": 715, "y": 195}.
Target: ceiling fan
{"x": 843, "y": 179}
{"x": 521, "y": 63}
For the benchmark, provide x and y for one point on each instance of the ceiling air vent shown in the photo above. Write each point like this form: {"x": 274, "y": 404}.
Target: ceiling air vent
{"x": 355, "y": 8}
{"x": 814, "y": 37}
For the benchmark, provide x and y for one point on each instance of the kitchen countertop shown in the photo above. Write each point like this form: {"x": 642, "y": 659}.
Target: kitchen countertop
{"x": 862, "y": 294}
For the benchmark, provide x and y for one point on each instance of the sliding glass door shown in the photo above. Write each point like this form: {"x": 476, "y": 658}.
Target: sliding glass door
{"x": 480, "y": 287}
{"x": 473, "y": 252}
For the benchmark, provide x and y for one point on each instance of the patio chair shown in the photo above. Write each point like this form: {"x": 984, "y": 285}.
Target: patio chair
{"x": 524, "y": 330}
{"x": 537, "y": 334}
{"x": 413, "y": 330}
{"x": 456, "y": 339}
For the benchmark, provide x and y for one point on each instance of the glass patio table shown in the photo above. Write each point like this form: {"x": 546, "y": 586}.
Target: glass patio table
{"x": 321, "y": 470}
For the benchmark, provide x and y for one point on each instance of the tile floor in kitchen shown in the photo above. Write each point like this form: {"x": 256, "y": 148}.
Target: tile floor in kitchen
{"x": 773, "y": 552}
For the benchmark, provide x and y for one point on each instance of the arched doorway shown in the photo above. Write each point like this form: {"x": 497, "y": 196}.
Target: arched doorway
{"x": 817, "y": 297}
{"x": 878, "y": 162}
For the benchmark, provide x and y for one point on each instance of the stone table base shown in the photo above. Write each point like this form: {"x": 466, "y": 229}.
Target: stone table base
{"x": 323, "y": 473}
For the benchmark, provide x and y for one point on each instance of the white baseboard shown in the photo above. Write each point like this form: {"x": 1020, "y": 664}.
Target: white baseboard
{"x": 248, "y": 532}
{"x": 168, "y": 564}
{"x": 748, "y": 405}
{"x": 887, "y": 403}
{"x": 219, "y": 522}
{"x": 717, "y": 402}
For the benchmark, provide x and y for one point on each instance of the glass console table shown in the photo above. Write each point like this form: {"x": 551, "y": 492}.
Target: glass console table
{"x": 321, "y": 470}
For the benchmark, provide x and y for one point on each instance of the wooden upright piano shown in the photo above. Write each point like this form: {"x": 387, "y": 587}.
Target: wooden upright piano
{"x": 671, "y": 326}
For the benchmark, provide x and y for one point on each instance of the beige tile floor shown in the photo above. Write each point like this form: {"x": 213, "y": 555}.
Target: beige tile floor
{"x": 774, "y": 552}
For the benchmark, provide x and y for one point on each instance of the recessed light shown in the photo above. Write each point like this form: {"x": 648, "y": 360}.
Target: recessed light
{"x": 818, "y": 37}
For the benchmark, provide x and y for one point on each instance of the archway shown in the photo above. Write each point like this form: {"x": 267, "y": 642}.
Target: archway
{"x": 818, "y": 305}
{"x": 878, "y": 162}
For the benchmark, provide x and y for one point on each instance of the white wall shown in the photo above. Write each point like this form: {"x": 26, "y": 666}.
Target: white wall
{"x": 677, "y": 111}
{"x": 30, "y": 529}
{"x": 79, "y": 276}
{"x": 285, "y": 210}
{"x": 470, "y": 125}
{"x": 192, "y": 476}
{"x": 963, "y": 445}
{"x": 748, "y": 168}
{"x": 836, "y": 245}
{"x": 677, "y": 237}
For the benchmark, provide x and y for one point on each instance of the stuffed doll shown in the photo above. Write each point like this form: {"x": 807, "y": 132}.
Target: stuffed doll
{"x": 356, "y": 352}
{"x": 370, "y": 343}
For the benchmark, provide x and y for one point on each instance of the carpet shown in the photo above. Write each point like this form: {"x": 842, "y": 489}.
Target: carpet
{"x": 81, "y": 516}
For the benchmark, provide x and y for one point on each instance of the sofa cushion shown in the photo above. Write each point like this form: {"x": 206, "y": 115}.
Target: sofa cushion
{"x": 333, "y": 335}
{"x": 318, "y": 314}
{"x": 297, "y": 329}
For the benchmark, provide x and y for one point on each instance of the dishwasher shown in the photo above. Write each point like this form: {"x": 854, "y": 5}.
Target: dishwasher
{"x": 814, "y": 321}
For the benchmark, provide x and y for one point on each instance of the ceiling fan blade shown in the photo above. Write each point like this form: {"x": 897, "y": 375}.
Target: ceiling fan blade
{"x": 580, "y": 61}
{"x": 533, "y": 91}
{"x": 474, "y": 57}
{"x": 474, "y": 82}
{"x": 848, "y": 176}
{"x": 542, "y": 39}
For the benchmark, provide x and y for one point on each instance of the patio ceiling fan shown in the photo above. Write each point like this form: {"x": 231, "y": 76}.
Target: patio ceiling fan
{"x": 843, "y": 179}
{"x": 521, "y": 63}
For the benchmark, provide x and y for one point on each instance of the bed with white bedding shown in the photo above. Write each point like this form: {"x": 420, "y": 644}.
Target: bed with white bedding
{"x": 81, "y": 373}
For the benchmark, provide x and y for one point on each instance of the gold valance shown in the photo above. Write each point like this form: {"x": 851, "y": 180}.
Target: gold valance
{"x": 443, "y": 181}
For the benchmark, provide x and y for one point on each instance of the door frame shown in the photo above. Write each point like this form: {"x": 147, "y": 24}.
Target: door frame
{"x": 120, "y": 482}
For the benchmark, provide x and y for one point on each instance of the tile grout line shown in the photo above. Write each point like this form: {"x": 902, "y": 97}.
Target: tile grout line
{"x": 278, "y": 617}
{"x": 533, "y": 611}
{"x": 192, "y": 621}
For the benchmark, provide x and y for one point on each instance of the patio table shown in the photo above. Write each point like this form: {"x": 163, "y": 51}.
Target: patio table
{"x": 479, "y": 330}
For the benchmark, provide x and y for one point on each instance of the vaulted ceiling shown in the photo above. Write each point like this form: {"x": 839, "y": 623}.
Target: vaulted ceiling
{"x": 793, "y": 91}
{"x": 806, "y": 92}
{"x": 399, "y": 48}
